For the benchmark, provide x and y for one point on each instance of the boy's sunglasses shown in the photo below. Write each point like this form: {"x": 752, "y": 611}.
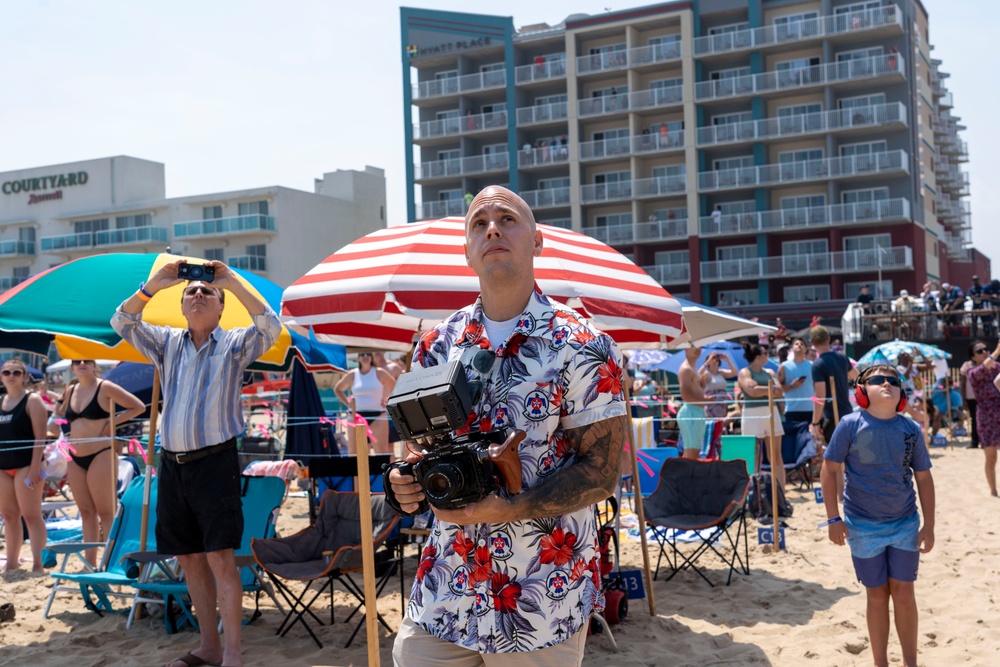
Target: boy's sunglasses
{"x": 981, "y": 350}
{"x": 879, "y": 380}
{"x": 7, "y": 372}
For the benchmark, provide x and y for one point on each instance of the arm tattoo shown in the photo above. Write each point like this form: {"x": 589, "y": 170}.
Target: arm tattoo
{"x": 592, "y": 477}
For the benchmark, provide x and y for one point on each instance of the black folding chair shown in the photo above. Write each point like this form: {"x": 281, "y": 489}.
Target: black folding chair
{"x": 327, "y": 551}
{"x": 338, "y": 473}
{"x": 707, "y": 498}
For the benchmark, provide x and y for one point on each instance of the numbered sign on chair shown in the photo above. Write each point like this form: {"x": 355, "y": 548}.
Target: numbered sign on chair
{"x": 765, "y": 535}
{"x": 632, "y": 581}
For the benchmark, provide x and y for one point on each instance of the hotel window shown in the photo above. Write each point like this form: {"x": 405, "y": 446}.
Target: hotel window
{"x": 446, "y": 82}
{"x": 612, "y": 55}
{"x": 737, "y": 207}
{"x": 803, "y": 201}
{"x": 137, "y": 220}
{"x": 796, "y": 26}
{"x": 798, "y": 72}
{"x": 734, "y": 73}
{"x": 862, "y": 101}
{"x": 259, "y": 250}
{"x": 675, "y": 265}
{"x": 877, "y": 290}
{"x": 806, "y": 163}
{"x": 253, "y": 208}
{"x": 613, "y": 184}
{"x": 493, "y": 74}
{"x": 868, "y": 195}
{"x": 734, "y": 253}
{"x": 26, "y": 234}
{"x": 867, "y": 148}
{"x": 732, "y": 118}
{"x": 85, "y": 226}
{"x": 742, "y": 162}
{"x": 211, "y": 212}
{"x": 738, "y": 297}
{"x": 666, "y": 47}
{"x": 868, "y": 242}
{"x": 805, "y": 256}
{"x": 801, "y": 293}
{"x": 214, "y": 254}
{"x": 553, "y": 183}
{"x": 670, "y": 214}
{"x": 618, "y": 226}
{"x": 670, "y": 178}
{"x": 667, "y": 90}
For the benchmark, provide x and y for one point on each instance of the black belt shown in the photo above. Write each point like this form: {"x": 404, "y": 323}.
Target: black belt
{"x": 198, "y": 454}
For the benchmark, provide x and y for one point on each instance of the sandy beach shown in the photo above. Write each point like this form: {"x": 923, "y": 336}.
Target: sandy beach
{"x": 802, "y": 607}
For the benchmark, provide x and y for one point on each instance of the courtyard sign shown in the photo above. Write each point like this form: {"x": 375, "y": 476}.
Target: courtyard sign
{"x": 44, "y": 183}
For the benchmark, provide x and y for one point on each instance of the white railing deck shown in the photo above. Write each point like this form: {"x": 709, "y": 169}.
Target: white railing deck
{"x": 640, "y": 232}
{"x": 669, "y": 274}
{"x": 546, "y": 71}
{"x": 807, "y": 170}
{"x": 542, "y": 113}
{"x": 635, "y": 101}
{"x": 848, "y": 261}
{"x": 476, "y": 164}
{"x": 886, "y": 210}
{"x": 494, "y": 120}
{"x": 804, "y": 124}
{"x": 546, "y": 198}
{"x": 432, "y": 210}
{"x": 254, "y": 222}
{"x": 634, "y": 57}
{"x": 460, "y": 84}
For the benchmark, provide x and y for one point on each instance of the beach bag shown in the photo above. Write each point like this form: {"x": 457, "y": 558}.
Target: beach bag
{"x": 759, "y": 499}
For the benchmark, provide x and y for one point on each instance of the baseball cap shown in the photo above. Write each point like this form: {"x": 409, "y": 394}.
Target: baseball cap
{"x": 903, "y": 292}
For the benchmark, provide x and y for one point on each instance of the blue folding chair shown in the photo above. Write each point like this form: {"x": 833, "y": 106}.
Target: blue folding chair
{"x": 114, "y": 570}
{"x": 650, "y": 461}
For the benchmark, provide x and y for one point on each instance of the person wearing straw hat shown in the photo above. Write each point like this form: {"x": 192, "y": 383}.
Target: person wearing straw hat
{"x": 199, "y": 514}
{"x": 518, "y": 574}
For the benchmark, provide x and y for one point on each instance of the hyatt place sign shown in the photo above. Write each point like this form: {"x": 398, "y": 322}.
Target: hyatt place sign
{"x": 30, "y": 185}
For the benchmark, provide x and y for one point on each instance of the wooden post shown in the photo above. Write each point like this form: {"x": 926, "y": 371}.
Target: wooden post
{"x": 150, "y": 459}
{"x": 947, "y": 402}
{"x": 114, "y": 455}
{"x": 367, "y": 545}
{"x": 637, "y": 489}
{"x": 774, "y": 463}
{"x": 928, "y": 390}
{"x": 833, "y": 397}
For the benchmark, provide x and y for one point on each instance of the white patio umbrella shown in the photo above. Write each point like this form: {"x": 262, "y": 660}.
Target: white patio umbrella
{"x": 706, "y": 325}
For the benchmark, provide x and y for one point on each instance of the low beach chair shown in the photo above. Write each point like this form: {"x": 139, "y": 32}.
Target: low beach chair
{"x": 114, "y": 571}
{"x": 325, "y": 552}
{"x": 703, "y": 500}
{"x": 160, "y": 583}
{"x": 797, "y": 452}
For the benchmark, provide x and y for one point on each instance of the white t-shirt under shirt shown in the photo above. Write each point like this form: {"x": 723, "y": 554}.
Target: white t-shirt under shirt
{"x": 499, "y": 332}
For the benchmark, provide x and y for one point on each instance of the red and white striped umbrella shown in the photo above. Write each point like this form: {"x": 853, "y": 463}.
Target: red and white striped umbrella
{"x": 380, "y": 290}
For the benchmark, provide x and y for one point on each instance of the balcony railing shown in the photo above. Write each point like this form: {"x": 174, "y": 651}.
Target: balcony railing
{"x": 561, "y": 223}
{"x": 802, "y": 77}
{"x": 805, "y": 124}
{"x": 110, "y": 237}
{"x": 542, "y": 113}
{"x": 494, "y": 120}
{"x": 248, "y": 262}
{"x": 460, "y": 84}
{"x": 604, "y": 148}
{"x": 659, "y": 186}
{"x": 605, "y": 192}
{"x": 432, "y": 210}
{"x": 641, "y": 232}
{"x": 476, "y": 164}
{"x": 807, "y": 170}
{"x": 887, "y": 210}
{"x": 223, "y": 226}
{"x": 810, "y": 29}
{"x": 848, "y": 261}
{"x": 637, "y": 57}
{"x": 652, "y": 98}
{"x": 17, "y": 249}
{"x": 669, "y": 274}
{"x": 547, "y": 198}
{"x": 537, "y": 157}
{"x": 546, "y": 71}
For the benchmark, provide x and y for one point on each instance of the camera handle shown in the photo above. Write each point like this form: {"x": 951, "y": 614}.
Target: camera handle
{"x": 508, "y": 463}
{"x": 390, "y": 495}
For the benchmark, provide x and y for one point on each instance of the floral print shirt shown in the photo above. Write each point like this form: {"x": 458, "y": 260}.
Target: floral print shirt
{"x": 524, "y": 585}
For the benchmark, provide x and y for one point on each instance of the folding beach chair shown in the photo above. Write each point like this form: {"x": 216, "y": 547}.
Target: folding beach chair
{"x": 161, "y": 583}
{"x": 337, "y": 473}
{"x": 740, "y": 448}
{"x": 327, "y": 551}
{"x": 114, "y": 571}
{"x": 702, "y": 500}
{"x": 797, "y": 451}
{"x": 650, "y": 461}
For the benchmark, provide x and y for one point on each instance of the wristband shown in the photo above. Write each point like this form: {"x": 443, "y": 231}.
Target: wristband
{"x": 829, "y": 522}
{"x": 143, "y": 294}
{"x": 816, "y": 423}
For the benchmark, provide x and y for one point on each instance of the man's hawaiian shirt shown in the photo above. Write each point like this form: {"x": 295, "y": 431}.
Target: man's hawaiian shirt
{"x": 523, "y": 585}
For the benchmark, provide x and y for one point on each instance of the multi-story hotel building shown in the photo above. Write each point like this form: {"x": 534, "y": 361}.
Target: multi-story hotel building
{"x": 771, "y": 154}
{"x": 52, "y": 214}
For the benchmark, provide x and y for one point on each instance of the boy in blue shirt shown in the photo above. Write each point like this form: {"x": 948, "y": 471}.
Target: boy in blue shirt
{"x": 881, "y": 453}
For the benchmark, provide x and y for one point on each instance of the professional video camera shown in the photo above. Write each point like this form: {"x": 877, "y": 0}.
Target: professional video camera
{"x": 426, "y": 405}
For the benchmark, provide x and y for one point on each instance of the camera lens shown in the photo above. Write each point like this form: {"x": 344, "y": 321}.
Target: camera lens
{"x": 442, "y": 482}
{"x": 196, "y": 272}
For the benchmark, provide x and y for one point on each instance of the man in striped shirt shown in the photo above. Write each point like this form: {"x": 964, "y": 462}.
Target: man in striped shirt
{"x": 199, "y": 511}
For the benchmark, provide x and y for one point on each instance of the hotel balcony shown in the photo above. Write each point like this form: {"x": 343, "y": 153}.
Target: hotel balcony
{"x": 466, "y": 166}
{"x": 103, "y": 239}
{"x": 826, "y": 263}
{"x": 549, "y": 198}
{"x": 557, "y": 112}
{"x": 17, "y": 249}
{"x": 850, "y": 166}
{"x": 885, "y": 20}
{"x": 640, "y": 232}
{"x": 547, "y": 71}
{"x": 248, "y": 263}
{"x": 622, "y": 147}
{"x": 438, "y": 88}
{"x": 669, "y": 274}
{"x": 880, "y": 116}
{"x": 654, "y": 98}
{"x": 805, "y": 218}
{"x": 640, "y": 56}
{"x": 884, "y": 66}
{"x": 434, "y": 210}
{"x": 469, "y": 124}
{"x": 240, "y": 224}
{"x": 543, "y": 157}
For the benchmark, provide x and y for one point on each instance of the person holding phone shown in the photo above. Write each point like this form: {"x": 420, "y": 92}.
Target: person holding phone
{"x": 794, "y": 375}
{"x": 22, "y": 440}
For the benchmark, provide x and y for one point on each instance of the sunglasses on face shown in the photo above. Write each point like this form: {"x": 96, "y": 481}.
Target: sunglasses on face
{"x": 879, "y": 380}
{"x": 207, "y": 291}
{"x": 364, "y": 354}
{"x": 7, "y": 372}
{"x": 981, "y": 350}
{"x": 81, "y": 362}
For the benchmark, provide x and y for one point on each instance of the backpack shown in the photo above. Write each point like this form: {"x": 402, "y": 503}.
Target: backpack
{"x": 759, "y": 499}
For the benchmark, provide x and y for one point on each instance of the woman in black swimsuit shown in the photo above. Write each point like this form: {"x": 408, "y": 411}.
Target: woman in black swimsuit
{"x": 22, "y": 438}
{"x": 89, "y": 472}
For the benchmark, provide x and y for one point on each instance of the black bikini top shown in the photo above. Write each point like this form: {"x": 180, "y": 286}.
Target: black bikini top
{"x": 92, "y": 411}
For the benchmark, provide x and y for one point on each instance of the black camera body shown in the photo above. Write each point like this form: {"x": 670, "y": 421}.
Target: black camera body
{"x": 202, "y": 272}
{"x": 426, "y": 405}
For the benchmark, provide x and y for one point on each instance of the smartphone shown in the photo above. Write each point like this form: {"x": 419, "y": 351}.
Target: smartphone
{"x": 202, "y": 272}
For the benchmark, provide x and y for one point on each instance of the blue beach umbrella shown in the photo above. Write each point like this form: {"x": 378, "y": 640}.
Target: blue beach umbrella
{"x": 891, "y": 350}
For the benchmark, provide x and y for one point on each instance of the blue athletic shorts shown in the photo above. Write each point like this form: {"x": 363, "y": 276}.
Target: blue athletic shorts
{"x": 883, "y": 550}
{"x": 691, "y": 423}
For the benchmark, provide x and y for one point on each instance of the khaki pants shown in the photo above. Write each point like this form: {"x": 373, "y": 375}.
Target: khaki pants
{"x": 423, "y": 649}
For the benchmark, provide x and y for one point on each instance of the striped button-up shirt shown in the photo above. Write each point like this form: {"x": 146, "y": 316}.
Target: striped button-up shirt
{"x": 201, "y": 388}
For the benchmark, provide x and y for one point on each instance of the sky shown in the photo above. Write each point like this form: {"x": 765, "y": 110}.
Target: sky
{"x": 248, "y": 93}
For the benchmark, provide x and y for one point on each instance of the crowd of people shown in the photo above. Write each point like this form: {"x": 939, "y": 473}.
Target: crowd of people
{"x": 925, "y": 315}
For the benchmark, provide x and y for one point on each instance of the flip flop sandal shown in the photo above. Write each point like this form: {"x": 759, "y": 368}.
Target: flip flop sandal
{"x": 191, "y": 660}
{"x": 7, "y": 612}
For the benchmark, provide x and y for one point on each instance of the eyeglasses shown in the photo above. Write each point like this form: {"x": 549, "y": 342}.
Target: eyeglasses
{"x": 81, "y": 362}
{"x": 981, "y": 350}
{"x": 206, "y": 291}
{"x": 7, "y": 372}
{"x": 482, "y": 363}
{"x": 879, "y": 380}
{"x": 364, "y": 354}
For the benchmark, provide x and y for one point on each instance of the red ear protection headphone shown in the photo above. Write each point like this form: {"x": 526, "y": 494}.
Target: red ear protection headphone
{"x": 861, "y": 392}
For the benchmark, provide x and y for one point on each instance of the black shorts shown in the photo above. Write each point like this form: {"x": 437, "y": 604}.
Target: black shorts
{"x": 199, "y": 507}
